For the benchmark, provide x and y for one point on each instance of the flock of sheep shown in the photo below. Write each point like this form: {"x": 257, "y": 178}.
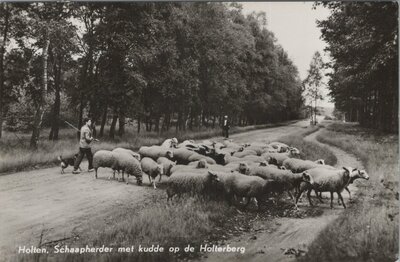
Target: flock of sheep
{"x": 228, "y": 170}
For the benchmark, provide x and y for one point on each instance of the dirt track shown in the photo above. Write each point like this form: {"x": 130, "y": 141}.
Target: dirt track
{"x": 45, "y": 203}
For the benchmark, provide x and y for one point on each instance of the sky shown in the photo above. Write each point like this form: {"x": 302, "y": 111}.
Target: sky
{"x": 294, "y": 26}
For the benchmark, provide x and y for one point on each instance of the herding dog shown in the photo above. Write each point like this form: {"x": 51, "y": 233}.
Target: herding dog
{"x": 65, "y": 162}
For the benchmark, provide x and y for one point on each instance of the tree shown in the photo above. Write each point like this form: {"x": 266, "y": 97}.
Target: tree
{"x": 362, "y": 40}
{"x": 313, "y": 83}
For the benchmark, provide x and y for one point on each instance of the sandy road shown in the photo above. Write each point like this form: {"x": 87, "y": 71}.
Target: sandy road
{"x": 45, "y": 203}
{"x": 268, "y": 239}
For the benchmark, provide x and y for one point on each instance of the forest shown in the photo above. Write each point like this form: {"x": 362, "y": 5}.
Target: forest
{"x": 362, "y": 41}
{"x": 159, "y": 65}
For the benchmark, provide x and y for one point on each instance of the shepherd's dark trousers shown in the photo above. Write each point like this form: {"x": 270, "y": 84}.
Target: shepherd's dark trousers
{"x": 89, "y": 156}
{"x": 225, "y": 132}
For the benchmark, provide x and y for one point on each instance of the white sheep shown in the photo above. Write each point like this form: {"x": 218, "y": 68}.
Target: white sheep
{"x": 327, "y": 180}
{"x": 278, "y": 158}
{"x": 239, "y": 185}
{"x": 121, "y": 150}
{"x": 167, "y": 165}
{"x": 152, "y": 169}
{"x": 128, "y": 164}
{"x": 356, "y": 174}
{"x": 103, "y": 158}
{"x": 155, "y": 152}
{"x": 170, "y": 143}
{"x": 289, "y": 179}
{"x": 245, "y": 152}
{"x": 185, "y": 156}
{"x": 198, "y": 182}
{"x": 298, "y": 165}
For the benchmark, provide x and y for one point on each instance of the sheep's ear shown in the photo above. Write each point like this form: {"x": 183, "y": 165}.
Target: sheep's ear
{"x": 354, "y": 169}
{"x": 346, "y": 169}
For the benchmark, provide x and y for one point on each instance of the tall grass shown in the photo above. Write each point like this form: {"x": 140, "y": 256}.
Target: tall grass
{"x": 368, "y": 231}
{"x": 15, "y": 154}
{"x": 309, "y": 150}
{"x": 185, "y": 222}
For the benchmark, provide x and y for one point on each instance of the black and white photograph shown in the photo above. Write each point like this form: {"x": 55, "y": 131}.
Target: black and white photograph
{"x": 199, "y": 131}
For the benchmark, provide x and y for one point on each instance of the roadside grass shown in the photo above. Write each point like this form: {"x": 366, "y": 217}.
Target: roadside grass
{"x": 309, "y": 150}
{"x": 187, "y": 221}
{"x": 368, "y": 231}
{"x": 15, "y": 154}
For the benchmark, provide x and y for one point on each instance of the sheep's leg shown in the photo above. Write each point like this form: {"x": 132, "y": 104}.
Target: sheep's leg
{"x": 341, "y": 198}
{"x": 154, "y": 183}
{"x": 248, "y": 201}
{"x": 290, "y": 194}
{"x": 159, "y": 180}
{"x": 127, "y": 178}
{"x": 297, "y": 198}
{"x": 95, "y": 172}
{"x": 318, "y": 196}
{"x": 347, "y": 189}
{"x": 258, "y": 201}
{"x": 150, "y": 180}
{"x": 331, "y": 199}
{"x": 309, "y": 197}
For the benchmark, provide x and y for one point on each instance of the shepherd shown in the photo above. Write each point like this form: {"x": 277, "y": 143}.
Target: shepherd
{"x": 225, "y": 127}
{"x": 84, "y": 146}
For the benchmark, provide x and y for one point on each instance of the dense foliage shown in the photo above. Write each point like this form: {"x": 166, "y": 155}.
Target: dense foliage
{"x": 362, "y": 40}
{"x": 162, "y": 64}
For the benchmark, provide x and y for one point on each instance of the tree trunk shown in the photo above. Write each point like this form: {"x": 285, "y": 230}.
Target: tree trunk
{"x": 113, "y": 124}
{"x": 103, "y": 121}
{"x": 37, "y": 122}
{"x": 121, "y": 122}
{"x": 138, "y": 125}
{"x": 57, "y": 102}
{"x": 2, "y": 69}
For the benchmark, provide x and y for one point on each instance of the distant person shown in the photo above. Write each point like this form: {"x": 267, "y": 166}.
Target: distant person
{"x": 225, "y": 127}
{"x": 84, "y": 146}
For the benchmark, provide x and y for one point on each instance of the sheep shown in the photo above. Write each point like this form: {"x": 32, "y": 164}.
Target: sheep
{"x": 199, "y": 182}
{"x": 239, "y": 185}
{"x": 356, "y": 174}
{"x": 187, "y": 142}
{"x": 192, "y": 166}
{"x": 184, "y": 156}
{"x": 196, "y": 157}
{"x": 170, "y": 143}
{"x": 130, "y": 165}
{"x": 244, "y": 153}
{"x": 327, "y": 180}
{"x": 278, "y": 158}
{"x": 202, "y": 163}
{"x": 152, "y": 169}
{"x": 155, "y": 152}
{"x": 291, "y": 180}
{"x": 167, "y": 165}
{"x": 134, "y": 154}
{"x": 299, "y": 165}
{"x": 103, "y": 158}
